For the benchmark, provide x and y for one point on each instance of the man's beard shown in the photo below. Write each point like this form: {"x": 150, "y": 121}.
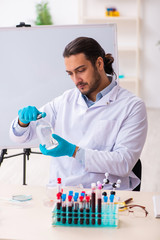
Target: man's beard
{"x": 94, "y": 84}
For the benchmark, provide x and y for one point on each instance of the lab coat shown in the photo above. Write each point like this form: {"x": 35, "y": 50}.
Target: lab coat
{"x": 112, "y": 132}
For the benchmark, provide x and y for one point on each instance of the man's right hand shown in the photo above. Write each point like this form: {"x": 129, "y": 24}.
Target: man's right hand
{"x": 28, "y": 114}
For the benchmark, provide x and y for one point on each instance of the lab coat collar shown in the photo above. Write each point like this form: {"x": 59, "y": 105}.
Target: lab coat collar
{"x": 109, "y": 97}
{"x": 81, "y": 100}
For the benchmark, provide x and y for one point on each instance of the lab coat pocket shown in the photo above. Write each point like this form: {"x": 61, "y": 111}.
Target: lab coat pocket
{"x": 105, "y": 134}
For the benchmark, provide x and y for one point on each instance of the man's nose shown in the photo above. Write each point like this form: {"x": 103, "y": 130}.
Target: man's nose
{"x": 75, "y": 78}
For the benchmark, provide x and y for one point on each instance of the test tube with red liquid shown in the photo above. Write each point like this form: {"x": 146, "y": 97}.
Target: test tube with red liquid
{"x": 76, "y": 208}
{"x": 93, "y": 201}
{"x": 99, "y": 203}
{"x": 69, "y": 209}
{"x": 87, "y": 207}
{"x": 59, "y": 185}
{"x": 63, "y": 208}
{"x": 81, "y": 209}
{"x": 58, "y": 207}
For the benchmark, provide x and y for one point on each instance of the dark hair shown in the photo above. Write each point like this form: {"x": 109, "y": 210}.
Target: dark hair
{"x": 92, "y": 50}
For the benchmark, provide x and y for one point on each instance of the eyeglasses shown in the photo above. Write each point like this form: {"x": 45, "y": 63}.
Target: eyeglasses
{"x": 136, "y": 210}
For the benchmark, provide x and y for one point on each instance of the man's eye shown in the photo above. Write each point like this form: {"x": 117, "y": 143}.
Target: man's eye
{"x": 81, "y": 70}
{"x": 69, "y": 73}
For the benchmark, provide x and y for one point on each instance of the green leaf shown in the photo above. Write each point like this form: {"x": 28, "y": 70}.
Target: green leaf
{"x": 43, "y": 14}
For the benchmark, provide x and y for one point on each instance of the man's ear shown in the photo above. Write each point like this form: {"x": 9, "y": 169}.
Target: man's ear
{"x": 100, "y": 63}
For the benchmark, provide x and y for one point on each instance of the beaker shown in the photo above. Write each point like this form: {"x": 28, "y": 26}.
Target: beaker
{"x": 44, "y": 132}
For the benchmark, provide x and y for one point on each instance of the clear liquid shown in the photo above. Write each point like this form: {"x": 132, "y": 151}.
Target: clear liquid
{"x": 44, "y": 133}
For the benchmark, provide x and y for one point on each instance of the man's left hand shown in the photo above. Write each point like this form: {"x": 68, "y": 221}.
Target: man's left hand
{"x": 64, "y": 148}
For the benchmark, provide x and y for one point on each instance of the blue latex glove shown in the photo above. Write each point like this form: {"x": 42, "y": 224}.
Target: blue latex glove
{"x": 29, "y": 114}
{"x": 64, "y": 148}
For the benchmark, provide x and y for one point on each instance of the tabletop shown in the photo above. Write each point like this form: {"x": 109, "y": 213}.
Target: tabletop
{"x": 33, "y": 219}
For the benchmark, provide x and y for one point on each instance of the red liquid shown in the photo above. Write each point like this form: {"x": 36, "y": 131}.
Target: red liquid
{"x": 58, "y": 214}
{"x": 70, "y": 215}
{"x": 63, "y": 214}
{"x": 93, "y": 205}
{"x": 99, "y": 210}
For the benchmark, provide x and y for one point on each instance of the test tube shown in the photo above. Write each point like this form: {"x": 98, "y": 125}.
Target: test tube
{"x": 83, "y": 193}
{"x": 76, "y": 208}
{"x": 63, "y": 208}
{"x": 81, "y": 209}
{"x": 105, "y": 199}
{"x": 87, "y": 210}
{"x": 105, "y": 210}
{"x": 69, "y": 209}
{"x": 59, "y": 185}
{"x": 76, "y": 195}
{"x": 93, "y": 201}
{"x": 104, "y": 194}
{"x": 99, "y": 203}
{"x": 111, "y": 198}
{"x": 58, "y": 207}
{"x": 71, "y": 194}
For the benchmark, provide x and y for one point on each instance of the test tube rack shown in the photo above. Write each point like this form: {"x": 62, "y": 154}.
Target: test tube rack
{"x": 108, "y": 217}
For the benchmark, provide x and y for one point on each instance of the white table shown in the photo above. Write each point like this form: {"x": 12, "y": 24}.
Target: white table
{"x": 32, "y": 220}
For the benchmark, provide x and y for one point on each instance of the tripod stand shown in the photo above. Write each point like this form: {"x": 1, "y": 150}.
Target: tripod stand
{"x": 26, "y": 153}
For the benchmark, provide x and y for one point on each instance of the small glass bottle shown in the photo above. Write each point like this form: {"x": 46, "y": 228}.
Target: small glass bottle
{"x": 44, "y": 132}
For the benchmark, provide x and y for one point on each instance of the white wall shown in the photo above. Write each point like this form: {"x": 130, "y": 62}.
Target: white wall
{"x": 13, "y": 12}
{"x": 150, "y": 68}
{"x": 66, "y": 12}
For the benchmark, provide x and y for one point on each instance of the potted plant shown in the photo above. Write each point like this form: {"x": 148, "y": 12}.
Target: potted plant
{"x": 43, "y": 14}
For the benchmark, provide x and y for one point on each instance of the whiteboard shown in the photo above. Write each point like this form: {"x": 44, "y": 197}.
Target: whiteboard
{"x": 32, "y": 70}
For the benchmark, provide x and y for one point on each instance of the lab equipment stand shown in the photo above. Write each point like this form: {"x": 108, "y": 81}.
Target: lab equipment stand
{"x": 26, "y": 153}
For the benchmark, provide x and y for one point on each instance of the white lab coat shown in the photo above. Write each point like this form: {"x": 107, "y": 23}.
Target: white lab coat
{"x": 112, "y": 132}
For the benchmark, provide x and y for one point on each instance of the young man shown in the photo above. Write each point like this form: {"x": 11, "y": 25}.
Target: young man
{"x": 100, "y": 127}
